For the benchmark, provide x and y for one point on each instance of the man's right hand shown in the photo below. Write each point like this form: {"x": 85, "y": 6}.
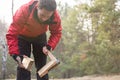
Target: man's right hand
{"x": 19, "y": 59}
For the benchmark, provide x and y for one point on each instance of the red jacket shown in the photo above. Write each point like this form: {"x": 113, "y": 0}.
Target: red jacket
{"x": 25, "y": 24}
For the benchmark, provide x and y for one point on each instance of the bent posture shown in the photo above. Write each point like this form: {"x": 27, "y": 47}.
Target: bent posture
{"x": 27, "y": 33}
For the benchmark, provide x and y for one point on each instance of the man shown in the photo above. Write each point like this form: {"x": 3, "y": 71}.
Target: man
{"x": 28, "y": 29}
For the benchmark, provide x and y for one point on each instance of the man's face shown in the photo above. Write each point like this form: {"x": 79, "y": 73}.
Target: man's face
{"x": 43, "y": 14}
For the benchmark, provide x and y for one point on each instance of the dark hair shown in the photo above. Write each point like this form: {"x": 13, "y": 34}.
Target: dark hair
{"x": 49, "y": 5}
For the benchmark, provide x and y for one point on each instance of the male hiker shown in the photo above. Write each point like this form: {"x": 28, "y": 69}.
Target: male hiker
{"x": 28, "y": 29}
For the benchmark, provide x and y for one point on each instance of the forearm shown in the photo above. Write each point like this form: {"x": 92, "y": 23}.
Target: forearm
{"x": 54, "y": 40}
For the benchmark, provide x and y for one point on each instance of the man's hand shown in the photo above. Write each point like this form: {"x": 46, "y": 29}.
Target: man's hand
{"x": 46, "y": 49}
{"x": 19, "y": 59}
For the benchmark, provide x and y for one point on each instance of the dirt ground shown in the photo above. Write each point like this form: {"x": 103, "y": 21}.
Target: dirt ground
{"x": 115, "y": 77}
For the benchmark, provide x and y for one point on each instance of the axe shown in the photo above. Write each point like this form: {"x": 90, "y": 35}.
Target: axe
{"x": 50, "y": 65}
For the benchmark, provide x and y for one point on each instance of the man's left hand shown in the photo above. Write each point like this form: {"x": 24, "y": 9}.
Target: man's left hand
{"x": 46, "y": 49}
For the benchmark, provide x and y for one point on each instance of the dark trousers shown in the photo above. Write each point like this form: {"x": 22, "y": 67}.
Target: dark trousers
{"x": 37, "y": 43}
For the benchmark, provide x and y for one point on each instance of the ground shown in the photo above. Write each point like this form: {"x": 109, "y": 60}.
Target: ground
{"x": 110, "y": 77}
{"x": 115, "y": 77}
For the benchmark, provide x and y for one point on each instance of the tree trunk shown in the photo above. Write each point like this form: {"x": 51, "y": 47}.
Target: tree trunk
{"x": 4, "y": 58}
{"x": 12, "y": 7}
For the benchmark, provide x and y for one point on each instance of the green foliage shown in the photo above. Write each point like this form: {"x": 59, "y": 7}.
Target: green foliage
{"x": 100, "y": 40}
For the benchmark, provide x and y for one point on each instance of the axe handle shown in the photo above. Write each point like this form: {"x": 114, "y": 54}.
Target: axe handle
{"x": 51, "y": 56}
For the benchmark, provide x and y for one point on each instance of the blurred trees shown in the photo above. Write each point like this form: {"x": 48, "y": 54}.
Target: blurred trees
{"x": 3, "y": 50}
{"x": 105, "y": 23}
{"x": 91, "y": 39}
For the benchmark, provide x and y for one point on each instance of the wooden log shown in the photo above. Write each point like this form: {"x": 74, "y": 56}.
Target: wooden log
{"x": 27, "y": 63}
{"x": 45, "y": 69}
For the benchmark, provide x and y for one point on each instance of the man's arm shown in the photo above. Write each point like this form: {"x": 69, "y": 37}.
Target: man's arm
{"x": 55, "y": 31}
{"x": 16, "y": 26}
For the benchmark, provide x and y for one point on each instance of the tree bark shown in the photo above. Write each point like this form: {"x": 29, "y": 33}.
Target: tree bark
{"x": 4, "y": 58}
{"x": 12, "y": 7}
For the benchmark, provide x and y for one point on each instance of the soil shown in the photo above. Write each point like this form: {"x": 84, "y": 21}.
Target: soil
{"x": 110, "y": 77}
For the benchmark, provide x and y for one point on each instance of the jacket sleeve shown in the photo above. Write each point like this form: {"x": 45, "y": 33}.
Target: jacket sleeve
{"x": 55, "y": 32}
{"x": 14, "y": 29}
